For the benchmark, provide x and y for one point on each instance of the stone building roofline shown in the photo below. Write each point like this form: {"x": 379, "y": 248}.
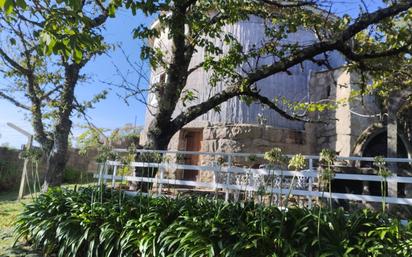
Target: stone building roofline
{"x": 316, "y": 10}
{"x": 343, "y": 67}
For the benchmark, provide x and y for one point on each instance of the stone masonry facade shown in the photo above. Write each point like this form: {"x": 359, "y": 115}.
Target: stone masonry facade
{"x": 347, "y": 125}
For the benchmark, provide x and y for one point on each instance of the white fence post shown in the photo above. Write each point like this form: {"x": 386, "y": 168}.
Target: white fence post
{"x": 310, "y": 183}
{"x": 160, "y": 182}
{"x": 229, "y": 165}
{"x": 101, "y": 166}
{"x": 392, "y": 185}
{"x": 106, "y": 170}
{"x": 307, "y": 192}
{"x": 114, "y": 175}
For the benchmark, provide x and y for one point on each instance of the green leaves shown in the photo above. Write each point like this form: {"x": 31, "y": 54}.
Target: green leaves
{"x": 12, "y": 41}
{"x": 188, "y": 96}
{"x": 73, "y": 223}
{"x": 8, "y": 6}
{"x": 69, "y": 28}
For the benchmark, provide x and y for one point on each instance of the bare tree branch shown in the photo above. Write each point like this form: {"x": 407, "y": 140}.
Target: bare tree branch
{"x": 350, "y": 54}
{"x": 100, "y": 19}
{"x": 363, "y": 22}
{"x": 14, "y": 101}
{"x": 195, "y": 111}
{"x": 47, "y": 95}
{"x": 272, "y": 105}
{"x": 12, "y": 62}
{"x": 24, "y": 18}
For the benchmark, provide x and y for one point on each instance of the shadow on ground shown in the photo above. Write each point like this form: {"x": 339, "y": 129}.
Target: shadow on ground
{"x": 19, "y": 250}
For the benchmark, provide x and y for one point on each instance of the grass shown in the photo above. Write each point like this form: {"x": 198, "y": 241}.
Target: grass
{"x": 9, "y": 209}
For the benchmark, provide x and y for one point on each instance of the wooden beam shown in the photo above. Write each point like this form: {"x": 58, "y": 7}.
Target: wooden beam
{"x": 24, "y": 173}
{"x": 26, "y": 160}
{"x": 22, "y": 131}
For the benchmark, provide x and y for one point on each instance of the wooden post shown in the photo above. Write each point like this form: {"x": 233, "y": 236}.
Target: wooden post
{"x": 26, "y": 160}
{"x": 24, "y": 173}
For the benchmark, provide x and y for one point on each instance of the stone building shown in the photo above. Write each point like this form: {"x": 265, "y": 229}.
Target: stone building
{"x": 357, "y": 127}
{"x": 360, "y": 126}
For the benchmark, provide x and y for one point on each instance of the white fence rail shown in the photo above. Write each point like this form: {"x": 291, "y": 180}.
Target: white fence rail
{"x": 234, "y": 175}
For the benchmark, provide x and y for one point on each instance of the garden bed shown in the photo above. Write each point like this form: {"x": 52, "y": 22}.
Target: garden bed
{"x": 93, "y": 222}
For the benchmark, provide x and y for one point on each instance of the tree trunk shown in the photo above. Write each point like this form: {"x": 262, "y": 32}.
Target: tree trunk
{"x": 56, "y": 163}
{"x": 158, "y": 139}
{"x": 158, "y": 136}
{"x": 57, "y": 155}
{"x": 157, "y": 142}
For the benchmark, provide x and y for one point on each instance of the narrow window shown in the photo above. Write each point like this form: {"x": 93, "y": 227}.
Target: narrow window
{"x": 328, "y": 91}
{"x": 162, "y": 78}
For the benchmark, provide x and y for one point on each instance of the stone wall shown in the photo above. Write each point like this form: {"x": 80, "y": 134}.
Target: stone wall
{"x": 344, "y": 125}
{"x": 249, "y": 138}
{"x": 352, "y": 116}
{"x": 79, "y": 162}
{"x": 245, "y": 138}
{"x": 238, "y": 138}
{"x": 76, "y": 161}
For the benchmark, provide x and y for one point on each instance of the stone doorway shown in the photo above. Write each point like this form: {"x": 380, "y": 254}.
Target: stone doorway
{"x": 377, "y": 145}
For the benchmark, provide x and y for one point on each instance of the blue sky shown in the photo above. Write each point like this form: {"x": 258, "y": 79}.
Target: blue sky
{"x": 110, "y": 113}
{"x": 113, "y": 112}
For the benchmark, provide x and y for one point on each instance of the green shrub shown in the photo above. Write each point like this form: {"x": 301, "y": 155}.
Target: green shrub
{"x": 88, "y": 222}
{"x": 9, "y": 175}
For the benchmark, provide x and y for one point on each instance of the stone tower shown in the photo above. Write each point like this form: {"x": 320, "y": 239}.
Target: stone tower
{"x": 237, "y": 126}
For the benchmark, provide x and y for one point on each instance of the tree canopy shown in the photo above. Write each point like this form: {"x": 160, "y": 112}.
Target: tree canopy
{"x": 375, "y": 43}
{"x": 44, "y": 48}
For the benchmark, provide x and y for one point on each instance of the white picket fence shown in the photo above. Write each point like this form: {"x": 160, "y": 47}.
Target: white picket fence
{"x": 108, "y": 172}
